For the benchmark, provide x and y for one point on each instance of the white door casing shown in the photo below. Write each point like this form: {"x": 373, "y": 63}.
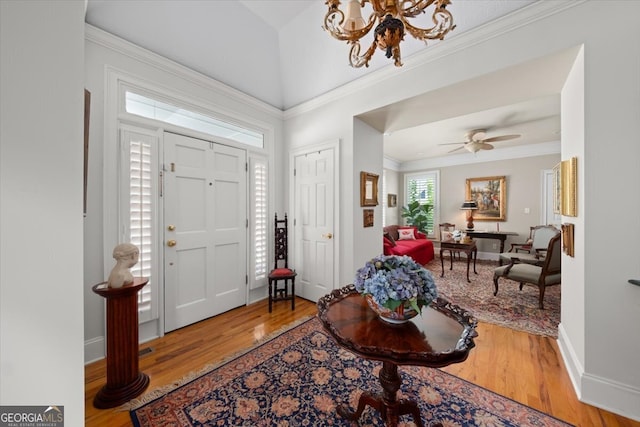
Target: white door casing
{"x": 205, "y": 229}
{"x": 314, "y": 189}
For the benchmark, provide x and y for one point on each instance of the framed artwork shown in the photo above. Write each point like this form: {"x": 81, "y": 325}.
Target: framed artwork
{"x": 367, "y": 217}
{"x": 567, "y": 239}
{"x": 557, "y": 189}
{"x": 392, "y": 200}
{"x": 490, "y": 193}
{"x": 569, "y": 177}
{"x": 368, "y": 189}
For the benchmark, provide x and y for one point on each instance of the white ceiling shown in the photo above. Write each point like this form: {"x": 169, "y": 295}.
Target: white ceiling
{"x": 276, "y": 51}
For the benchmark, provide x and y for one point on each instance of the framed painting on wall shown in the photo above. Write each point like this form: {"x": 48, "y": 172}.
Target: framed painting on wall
{"x": 569, "y": 176}
{"x": 368, "y": 189}
{"x": 367, "y": 217}
{"x": 392, "y": 200}
{"x": 490, "y": 193}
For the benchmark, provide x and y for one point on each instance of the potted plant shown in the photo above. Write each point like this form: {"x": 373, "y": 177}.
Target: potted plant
{"x": 417, "y": 215}
{"x": 395, "y": 287}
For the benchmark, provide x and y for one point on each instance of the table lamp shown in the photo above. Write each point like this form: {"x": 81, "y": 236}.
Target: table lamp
{"x": 470, "y": 206}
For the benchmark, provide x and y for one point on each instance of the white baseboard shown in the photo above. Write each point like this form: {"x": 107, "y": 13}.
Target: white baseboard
{"x": 612, "y": 396}
{"x": 94, "y": 350}
{"x": 597, "y": 391}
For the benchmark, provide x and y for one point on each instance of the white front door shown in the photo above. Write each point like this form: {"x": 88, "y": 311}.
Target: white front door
{"x": 205, "y": 229}
{"x": 314, "y": 222}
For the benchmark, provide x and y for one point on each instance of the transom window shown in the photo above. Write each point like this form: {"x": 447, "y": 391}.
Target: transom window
{"x": 153, "y": 109}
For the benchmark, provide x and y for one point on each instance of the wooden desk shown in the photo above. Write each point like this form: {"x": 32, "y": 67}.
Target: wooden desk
{"x": 442, "y": 335}
{"x": 468, "y": 248}
{"x": 498, "y": 235}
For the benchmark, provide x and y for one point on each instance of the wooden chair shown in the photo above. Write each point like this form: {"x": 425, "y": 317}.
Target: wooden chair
{"x": 540, "y": 237}
{"x": 446, "y": 228}
{"x": 526, "y": 246}
{"x": 548, "y": 273}
{"x": 281, "y": 270}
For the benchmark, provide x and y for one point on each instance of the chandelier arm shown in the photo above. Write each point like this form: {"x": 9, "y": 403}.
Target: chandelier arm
{"x": 413, "y": 8}
{"x": 443, "y": 21}
{"x": 333, "y": 21}
{"x": 357, "y": 61}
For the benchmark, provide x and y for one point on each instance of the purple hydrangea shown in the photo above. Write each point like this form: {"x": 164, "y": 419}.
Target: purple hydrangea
{"x": 393, "y": 280}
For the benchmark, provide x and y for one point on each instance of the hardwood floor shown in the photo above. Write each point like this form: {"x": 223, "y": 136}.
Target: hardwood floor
{"x": 526, "y": 368}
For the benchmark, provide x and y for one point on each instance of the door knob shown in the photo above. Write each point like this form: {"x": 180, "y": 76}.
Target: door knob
{"x": 171, "y": 227}
{"x": 171, "y": 243}
{"x": 328, "y": 235}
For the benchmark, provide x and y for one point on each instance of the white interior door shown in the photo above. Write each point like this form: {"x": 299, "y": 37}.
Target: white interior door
{"x": 204, "y": 231}
{"x": 314, "y": 222}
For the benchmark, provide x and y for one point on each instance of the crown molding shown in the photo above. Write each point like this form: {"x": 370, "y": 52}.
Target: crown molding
{"x": 505, "y": 24}
{"x": 121, "y": 46}
{"x": 482, "y": 156}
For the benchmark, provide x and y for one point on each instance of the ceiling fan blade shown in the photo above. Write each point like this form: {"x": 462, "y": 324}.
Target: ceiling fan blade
{"x": 501, "y": 138}
{"x": 484, "y": 146}
{"x": 454, "y": 143}
{"x": 455, "y": 149}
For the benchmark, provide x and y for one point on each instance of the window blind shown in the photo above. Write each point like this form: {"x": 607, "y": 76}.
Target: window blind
{"x": 258, "y": 178}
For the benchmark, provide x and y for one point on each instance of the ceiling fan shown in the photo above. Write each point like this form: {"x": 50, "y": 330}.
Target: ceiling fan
{"x": 476, "y": 141}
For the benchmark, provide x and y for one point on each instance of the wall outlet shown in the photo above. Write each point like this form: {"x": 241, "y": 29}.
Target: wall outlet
{"x": 527, "y": 210}
{"x": 495, "y": 246}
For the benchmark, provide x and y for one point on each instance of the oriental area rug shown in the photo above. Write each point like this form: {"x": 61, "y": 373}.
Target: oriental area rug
{"x": 298, "y": 377}
{"x": 511, "y": 307}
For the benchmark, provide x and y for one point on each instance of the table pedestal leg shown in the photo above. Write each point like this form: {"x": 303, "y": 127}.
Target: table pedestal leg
{"x": 386, "y": 403}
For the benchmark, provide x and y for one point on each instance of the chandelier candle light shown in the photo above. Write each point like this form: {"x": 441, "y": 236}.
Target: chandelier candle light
{"x": 392, "y": 18}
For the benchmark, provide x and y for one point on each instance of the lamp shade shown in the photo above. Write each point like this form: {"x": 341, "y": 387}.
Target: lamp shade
{"x": 469, "y": 205}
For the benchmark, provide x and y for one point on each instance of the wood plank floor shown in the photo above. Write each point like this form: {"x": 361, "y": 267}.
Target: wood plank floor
{"x": 526, "y": 368}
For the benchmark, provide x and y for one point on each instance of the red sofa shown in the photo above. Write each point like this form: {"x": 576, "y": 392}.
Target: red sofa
{"x": 420, "y": 249}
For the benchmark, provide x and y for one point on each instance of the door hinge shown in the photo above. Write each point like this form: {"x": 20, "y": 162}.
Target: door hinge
{"x": 294, "y": 172}
{"x": 246, "y": 166}
{"x": 161, "y": 184}
{"x": 246, "y": 279}
{"x": 247, "y": 223}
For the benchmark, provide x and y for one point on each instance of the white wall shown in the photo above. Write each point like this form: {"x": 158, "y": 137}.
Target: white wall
{"x": 608, "y": 155}
{"x": 392, "y": 179}
{"x": 41, "y": 164}
{"x": 523, "y": 187}
{"x": 367, "y": 147}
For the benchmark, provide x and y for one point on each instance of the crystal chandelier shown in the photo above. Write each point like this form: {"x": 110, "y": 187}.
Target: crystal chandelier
{"x": 391, "y": 17}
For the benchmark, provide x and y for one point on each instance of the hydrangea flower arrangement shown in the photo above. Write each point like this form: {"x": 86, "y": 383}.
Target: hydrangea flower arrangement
{"x": 393, "y": 281}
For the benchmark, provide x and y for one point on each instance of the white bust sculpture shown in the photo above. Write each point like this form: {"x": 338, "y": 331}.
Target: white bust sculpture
{"x": 126, "y": 256}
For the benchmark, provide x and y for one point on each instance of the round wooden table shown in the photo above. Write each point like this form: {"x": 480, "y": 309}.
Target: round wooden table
{"x": 442, "y": 335}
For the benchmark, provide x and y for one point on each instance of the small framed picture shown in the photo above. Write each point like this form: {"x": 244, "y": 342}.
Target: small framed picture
{"x": 392, "y": 200}
{"x": 367, "y": 217}
{"x": 368, "y": 189}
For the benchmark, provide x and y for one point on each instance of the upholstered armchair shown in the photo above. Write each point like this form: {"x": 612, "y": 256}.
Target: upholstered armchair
{"x": 540, "y": 237}
{"x": 546, "y": 273}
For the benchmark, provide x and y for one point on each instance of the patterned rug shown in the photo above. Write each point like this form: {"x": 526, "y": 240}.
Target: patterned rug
{"x": 511, "y": 308}
{"x": 298, "y": 378}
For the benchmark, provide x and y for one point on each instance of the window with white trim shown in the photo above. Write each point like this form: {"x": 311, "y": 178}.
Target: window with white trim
{"x": 167, "y": 113}
{"x": 139, "y": 212}
{"x": 424, "y": 187}
{"x": 259, "y": 204}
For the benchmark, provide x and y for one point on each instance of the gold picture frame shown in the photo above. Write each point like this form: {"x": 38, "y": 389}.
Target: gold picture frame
{"x": 569, "y": 186}
{"x": 490, "y": 193}
{"x": 368, "y": 189}
{"x": 567, "y": 239}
